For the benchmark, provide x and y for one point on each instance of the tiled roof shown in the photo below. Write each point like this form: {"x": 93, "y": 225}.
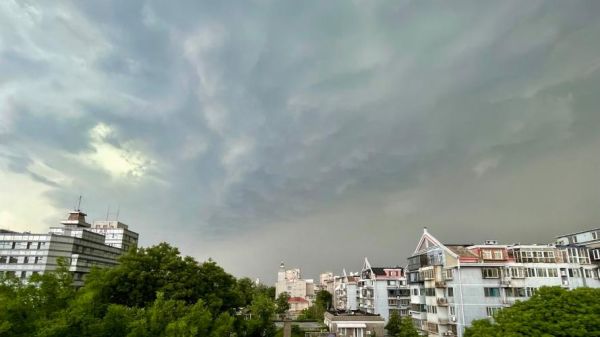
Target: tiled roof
{"x": 297, "y": 300}
{"x": 461, "y": 251}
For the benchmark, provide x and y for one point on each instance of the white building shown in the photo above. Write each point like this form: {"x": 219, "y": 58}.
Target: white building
{"x": 301, "y": 291}
{"x": 116, "y": 234}
{"x": 346, "y": 292}
{"x": 452, "y": 285}
{"x": 25, "y": 254}
{"x": 382, "y": 290}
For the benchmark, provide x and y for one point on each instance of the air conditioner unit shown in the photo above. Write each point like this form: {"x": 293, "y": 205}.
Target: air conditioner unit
{"x": 453, "y": 318}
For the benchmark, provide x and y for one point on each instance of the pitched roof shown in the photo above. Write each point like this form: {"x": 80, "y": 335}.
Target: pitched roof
{"x": 462, "y": 251}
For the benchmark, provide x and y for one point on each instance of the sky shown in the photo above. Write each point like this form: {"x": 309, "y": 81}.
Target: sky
{"x": 311, "y": 132}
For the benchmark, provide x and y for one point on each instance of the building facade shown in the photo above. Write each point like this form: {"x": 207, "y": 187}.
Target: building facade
{"x": 382, "y": 290}
{"x": 346, "y": 292}
{"x": 452, "y": 285}
{"x": 354, "y": 323}
{"x": 290, "y": 281}
{"x": 73, "y": 243}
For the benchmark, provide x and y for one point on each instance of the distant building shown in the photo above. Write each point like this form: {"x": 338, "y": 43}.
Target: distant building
{"x": 454, "y": 284}
{"x": 346, "y": 292}
{"x": 25, "y": 254}
{"x": 116, "y": 234}
{"x": 290, "y": 281}
{"x": 354, "y": 323}
{"x": 382, "y": 290}
{"x": 589, "y": 239}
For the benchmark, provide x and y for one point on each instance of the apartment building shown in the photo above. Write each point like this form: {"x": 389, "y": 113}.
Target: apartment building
{"x": 116, "y": 234}
{"x": 353, "y": 323}
{"x": 453, "y": 284}
{"x": 589, "y": 239}
{"x": 301, "y": 291}
{"x": 382, "y": 290}
{"x": 346, "y": 292}
{"x": 25, "y": 254}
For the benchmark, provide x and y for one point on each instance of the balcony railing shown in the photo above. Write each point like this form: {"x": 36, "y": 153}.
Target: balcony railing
{"x": 442, "y": 301}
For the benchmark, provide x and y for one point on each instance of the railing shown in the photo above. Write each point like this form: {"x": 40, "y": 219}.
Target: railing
{"x": 442, "y": 301}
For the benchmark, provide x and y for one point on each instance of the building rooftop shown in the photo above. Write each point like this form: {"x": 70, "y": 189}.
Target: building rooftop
{"x": 342, "y": 313}
{"x": 461, "y": 251}
{"x": 580, "y": 232}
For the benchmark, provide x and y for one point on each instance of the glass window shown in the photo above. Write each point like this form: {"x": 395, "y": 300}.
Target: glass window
{"x": 491, "y": 292}
{"x": 490, "y": 273}
{"x": 450, "y": 292}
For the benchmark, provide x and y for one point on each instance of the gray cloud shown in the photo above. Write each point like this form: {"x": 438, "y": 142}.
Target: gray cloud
{"x": 315, "y": 132}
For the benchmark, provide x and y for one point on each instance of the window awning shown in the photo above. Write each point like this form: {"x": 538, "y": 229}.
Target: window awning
{"x": 351, "y": 325}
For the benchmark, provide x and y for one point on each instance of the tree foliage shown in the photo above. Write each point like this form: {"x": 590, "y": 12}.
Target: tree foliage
{"x": 400, "y": 326}
{"x": 552, "y": 311}
{"x": 316, "y": 311}
{"x": 282, "y": 303}
{"x": 152, "y": 292}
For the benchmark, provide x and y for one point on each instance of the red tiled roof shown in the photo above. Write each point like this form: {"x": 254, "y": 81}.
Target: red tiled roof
{"x": 297, "y": 300}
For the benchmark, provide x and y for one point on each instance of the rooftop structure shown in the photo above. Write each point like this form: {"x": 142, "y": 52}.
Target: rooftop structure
{"x": 73, "y": 243}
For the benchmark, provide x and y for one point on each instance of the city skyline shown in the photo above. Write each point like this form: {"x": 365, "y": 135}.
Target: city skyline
{"x": 317, "y": 133}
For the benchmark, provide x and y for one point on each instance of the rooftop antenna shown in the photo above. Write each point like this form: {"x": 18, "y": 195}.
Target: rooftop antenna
{"x": 78, "y": 209}
{"x": 107, "y": 212}
{"x": 118, "y": 211}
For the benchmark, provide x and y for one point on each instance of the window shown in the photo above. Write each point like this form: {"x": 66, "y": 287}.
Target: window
{"x": 450, "y": 292}
{"x": 23, "y": 274}
{"x": 452, "y": 310}
{"x": 415, "y": 292}
{"x": 574, "y": 238}
{"x": 448, "y": 274}
{"x": 492, "y": 311}
{"x": 594, "y": 235}
{"x": 429, "y": 291}
{"x": 596, "y": 254}
{"x": 486, "y": 254}
{"x": 491, "y": 292}
{"x": 588, "y": 273}
{"x": 541, "y": 272}
{"x": 432, "y": 309}
{"x": 497, "y": 255}
{"x": 530, "y": 272}
{"x": 517, "y": 272}
{"x": 490, "y": 273}
{"x": 552, "y": 272}
{"x": 12, "y": 259}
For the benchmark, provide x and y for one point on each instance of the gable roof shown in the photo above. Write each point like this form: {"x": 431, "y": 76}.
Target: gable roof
{"x": 428, "y": 240}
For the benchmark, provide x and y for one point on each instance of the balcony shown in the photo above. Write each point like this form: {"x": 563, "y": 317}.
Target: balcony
{"x": 440, "y": 284}
{"x": 442, "y": 302}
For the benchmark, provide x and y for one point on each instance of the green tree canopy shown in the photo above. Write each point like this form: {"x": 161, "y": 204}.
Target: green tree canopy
{"x": 551, "y": 311}
{"x": 152, "y": 292}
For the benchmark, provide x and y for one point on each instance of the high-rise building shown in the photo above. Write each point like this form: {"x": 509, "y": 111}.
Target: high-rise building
{"x": 382, "y": 290}
{"x": 453, "y": 284}
{"x": 301, "y": 291}
{"x": 73, "y": 243}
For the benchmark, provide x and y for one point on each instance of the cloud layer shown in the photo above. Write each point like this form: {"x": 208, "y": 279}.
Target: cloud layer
{"x": 315, "y": 132}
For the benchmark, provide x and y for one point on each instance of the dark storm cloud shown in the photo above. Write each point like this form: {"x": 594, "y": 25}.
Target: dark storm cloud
{"x": 276, "y": 127}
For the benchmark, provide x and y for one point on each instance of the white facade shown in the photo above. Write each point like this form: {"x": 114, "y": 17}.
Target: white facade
{"x": 301, "y": 291}
{"x": 25, "y": 254}
{"x": 452, "y": 285}
{"x": 382, "y": 290}
{"x": 346, "y": 292}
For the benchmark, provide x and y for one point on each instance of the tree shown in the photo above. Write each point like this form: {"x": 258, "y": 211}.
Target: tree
{"x": 394, "y": 324}
{"x": 316, "y": 311}
{"x": 407, "y": 328}
{"x": 282, "y": 303}
{"x": 551, "y": 311}
{"x": 262, "y": 311}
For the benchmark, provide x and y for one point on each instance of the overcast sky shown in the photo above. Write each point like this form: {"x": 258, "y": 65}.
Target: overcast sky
{"x": 314, "y": 132}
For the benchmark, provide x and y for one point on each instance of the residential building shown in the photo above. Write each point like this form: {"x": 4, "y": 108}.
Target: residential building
{"x": 382, "y": 290}
{"x": 453, "y": 284}
{"x": 25, "y": 254}
{"x": 290, "y": 281}
{"x": 589, "y": 239}
{"x": 346, "y": 292}
{"x": 354, "y": 323}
